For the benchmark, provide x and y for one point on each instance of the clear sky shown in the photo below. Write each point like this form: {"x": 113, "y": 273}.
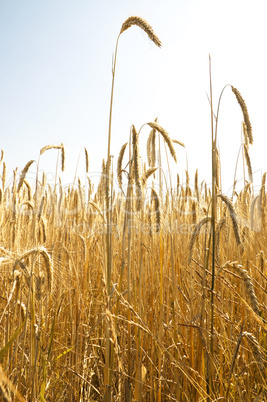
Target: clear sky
{"x": 55, "y": 79}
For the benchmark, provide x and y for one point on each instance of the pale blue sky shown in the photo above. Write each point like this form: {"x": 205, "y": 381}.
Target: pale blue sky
{"x": 55, "y": 79}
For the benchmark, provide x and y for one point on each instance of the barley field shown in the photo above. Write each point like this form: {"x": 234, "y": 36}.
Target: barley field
{"x": 147, "y": 293}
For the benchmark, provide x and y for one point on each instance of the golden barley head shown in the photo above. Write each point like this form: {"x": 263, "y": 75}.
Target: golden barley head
{"x": 23, "y": 174}
{"x": 243, "y": 106}
{"x": 144, "y": 25}
{"x": 166, "y": 138}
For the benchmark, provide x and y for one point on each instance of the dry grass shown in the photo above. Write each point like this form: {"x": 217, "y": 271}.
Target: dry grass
{"x": 56, "y": 283}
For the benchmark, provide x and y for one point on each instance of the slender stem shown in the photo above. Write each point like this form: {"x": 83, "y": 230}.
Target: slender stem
{"x": 109, "y": 351}
{"x": 217, "y": 115}
{"x": 108, "y": 204}
{"x": 213, "y": 221}
{"x": 112, "y": 92}
{"x": 236, "y": 170}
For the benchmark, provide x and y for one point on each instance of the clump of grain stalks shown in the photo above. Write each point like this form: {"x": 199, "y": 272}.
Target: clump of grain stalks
{"x": 139, "y": 294}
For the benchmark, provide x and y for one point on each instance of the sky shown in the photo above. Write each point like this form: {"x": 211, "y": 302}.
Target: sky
{"x": 55, "y": 81}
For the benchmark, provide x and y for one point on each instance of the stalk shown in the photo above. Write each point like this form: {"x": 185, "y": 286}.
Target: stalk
{"x": 149, "y": 31}
{"x": 213, "y": 217}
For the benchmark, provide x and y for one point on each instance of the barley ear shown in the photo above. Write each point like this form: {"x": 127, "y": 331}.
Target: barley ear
{"x": 47, "y": 147}
{"x": 248, "y": 283}
{"x": 86, "y": 160}
{"x": 179, "y": 143}
{"x": 144, "y": 25}
{"x": 256, "y": 349}
{"x": 166, "y": 138}
{"x": 147, "y": 174}
{"x": 4, "y": 176}
{"x": 48, "y": 267}
{"x": 196, "y": 185}
{"x": 136, "y": 165}
{"x": 245, "y": 133}
{"x": 23, "y": 174}
{"x": 151, "y": 148}
{"x": 243, "y": 106}
{"x": 233, "y": 217}
{"x": 248, "y": 162}
{"x": 62, "y": 158}
{"x": 194, "y": 235}
{"x": 119, "y": 164}
{"x": 156, "y": 202}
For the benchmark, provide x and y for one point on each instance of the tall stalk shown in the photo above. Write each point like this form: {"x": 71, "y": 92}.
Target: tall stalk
{"x": 138, "y": 21}
{"x": 213, "y": 207}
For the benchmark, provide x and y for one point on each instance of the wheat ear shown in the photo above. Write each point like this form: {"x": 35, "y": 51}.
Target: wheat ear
{"x": 243, "y": 106}
{"x": 136, "y": 166}
{"x": 119, "y": 164}
{"x": 151, "y": 148}
{"x": 179, "y": 143}
{"x": 96, "y": 207}
{"x": 48, "y": 266}
{"x": 194, "y": 235}
{"x": 166, "y": 138}
{"x": 23, "y": 174}
{"x": 248, "y": 283}
{"x": 156, "y": 202}
{"x": 29, "y": 190}
{"x": 86, "y": 160}
{"x": 5, "y": 383}
{"x": 233, "y": 217}
{"x": 196, "y": 185}
{"x": 144, "y": 25}
{"x": 4, "y": 176}
{"x": 62, "y": 158}
{"x": 147, "y": 174}
{"x": 262, "y": 193}
{"x": 252, "y": 208}
{"x": 256, "y": 350}
{"x": 248, "y": 162}
{"x": 245, "y": 133}
{"x": 47, "y": 147}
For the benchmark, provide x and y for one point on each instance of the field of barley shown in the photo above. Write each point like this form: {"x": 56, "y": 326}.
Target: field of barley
{"x": 152, "y": 292}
